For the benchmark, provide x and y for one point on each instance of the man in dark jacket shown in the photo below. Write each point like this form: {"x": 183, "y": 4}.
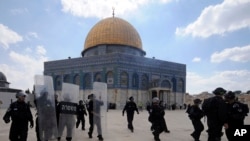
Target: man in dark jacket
{"x": 81, "y": 111}
{"x": 215, "y": 109}
{"x": 156, "y": 117}
{"x": 236, "y": 115}
{"x": 20, "y": 114}
{"x": 130, "y": 108}
{"x": 195, "y": 114}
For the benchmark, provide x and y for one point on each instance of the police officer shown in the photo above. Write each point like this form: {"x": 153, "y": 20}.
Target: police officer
{"x": 20, "y": 114}
{"x": 94, "y": 116}
{"x": 195, "y": 114}
{"x": 81, "y": 111}
{"x": 130, "y": 108}
{"x": 156, "y": 117}
{"x": 236, "y": 115}
{"x": 215, "y": 109}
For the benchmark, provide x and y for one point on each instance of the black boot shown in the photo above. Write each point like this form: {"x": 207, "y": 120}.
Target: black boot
{"x": 68, "y": 138}
{"x": 58, "y": 138}
{"x": 100, "y": 137}
{"x": 90, "y": 135}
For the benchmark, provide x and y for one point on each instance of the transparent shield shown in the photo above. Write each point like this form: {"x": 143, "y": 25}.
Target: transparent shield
{"x": 100, "y": 107}
{"x": 46, "y": 110}
{"x": 67, "y": 109}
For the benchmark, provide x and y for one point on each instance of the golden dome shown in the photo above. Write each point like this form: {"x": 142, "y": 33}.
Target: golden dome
{"x": 113, "y": 31}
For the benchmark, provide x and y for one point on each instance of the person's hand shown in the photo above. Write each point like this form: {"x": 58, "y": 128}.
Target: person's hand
{"x": 7, "y": 120}
{"x": 225, "y": 125}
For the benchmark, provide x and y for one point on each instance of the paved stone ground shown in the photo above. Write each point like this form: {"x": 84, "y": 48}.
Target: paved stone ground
{"x": 177, "y": 122}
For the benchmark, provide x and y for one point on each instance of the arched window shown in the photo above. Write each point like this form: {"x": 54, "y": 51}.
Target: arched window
{"x": 180, "y": 85}
{"x": 87, "y": 81}
{"x": 98, "y": 77}
{"x": 135, "y": 80}
{"x": 124, "y": 79}
{"x": 58, "y": 82}
{"x": 166, "y": 84}
{"x": 144, "y": 82}
{"x": 66, "y": 78}
{"x": 76, "y": 79}
{"x": 110, "y": 78}
{"x": 174, "y": 84}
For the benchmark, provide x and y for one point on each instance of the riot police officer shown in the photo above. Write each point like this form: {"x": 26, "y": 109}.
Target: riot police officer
{"x": 195, "y": 114}
{"x": 236, "y": 115}
{"x": 81, "y": 111}
{"x": 130, "y": 108}
{"x": 215, "y": 109}
{"x": 20, "y": 114}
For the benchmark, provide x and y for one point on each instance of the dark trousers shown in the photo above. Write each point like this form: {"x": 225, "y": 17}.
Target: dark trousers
{"x": 158, "y": 128}
{"x": 130, "y": 118}
{"x": 80, "y": 119}
{"x": 214, "y": 132}
{"x": 18, "y": 132}
{"x": 198, "y": 128}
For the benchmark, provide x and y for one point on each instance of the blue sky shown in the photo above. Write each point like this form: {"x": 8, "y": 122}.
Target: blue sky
{"x": 212, "y": 37}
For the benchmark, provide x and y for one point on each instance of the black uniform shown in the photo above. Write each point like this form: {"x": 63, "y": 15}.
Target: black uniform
{"x": 130, "y": 108}
{"x": 215, "y": 109}
{"x": 20, "y": 114}
{"x": 195, "y": 114}
{"x": 94, "y": 109}
{"x": 156, "y": 117}
{"x": 236, "y": 115}
{"x": 81, "y": 111}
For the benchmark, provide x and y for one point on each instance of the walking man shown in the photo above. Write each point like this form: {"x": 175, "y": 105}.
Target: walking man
{"x": 130, "y": 108}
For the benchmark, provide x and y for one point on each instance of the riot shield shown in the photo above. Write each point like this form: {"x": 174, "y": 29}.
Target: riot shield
{"x": 46, "y": 124}
{"x": 67, "y": 110}
{"x": 100, "y": 107}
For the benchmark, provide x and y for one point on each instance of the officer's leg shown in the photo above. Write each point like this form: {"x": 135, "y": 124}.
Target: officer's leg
{"x": 13, "y": 135}
{"x": 83, "y": 123}
{"x": 77, "y": 121}
{"x": 91, "y": 128}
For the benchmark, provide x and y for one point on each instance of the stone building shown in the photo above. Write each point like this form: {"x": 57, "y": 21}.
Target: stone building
{"x": 113, "y": 53}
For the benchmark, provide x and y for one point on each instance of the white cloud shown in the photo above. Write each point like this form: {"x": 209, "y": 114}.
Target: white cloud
{"x": 41, "y": 50}
{"x": 8, "y": 36}
{"x": 31, "y": 35}
{"x": 236, "y": 54}
{"x": 196, "y": 59}
{"x": 230, "y": 80}
{"x": 21, "y": 71}
{"x": 101, "y": 8}
{"x": 19, "y": 11}
{"x": 219, "y": 19}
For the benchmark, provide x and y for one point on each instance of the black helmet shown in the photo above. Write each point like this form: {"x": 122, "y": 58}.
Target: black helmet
{"x": 197, "y": 101}
{"x": 230, "y": 95}
{"x": 219, "y": 91}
